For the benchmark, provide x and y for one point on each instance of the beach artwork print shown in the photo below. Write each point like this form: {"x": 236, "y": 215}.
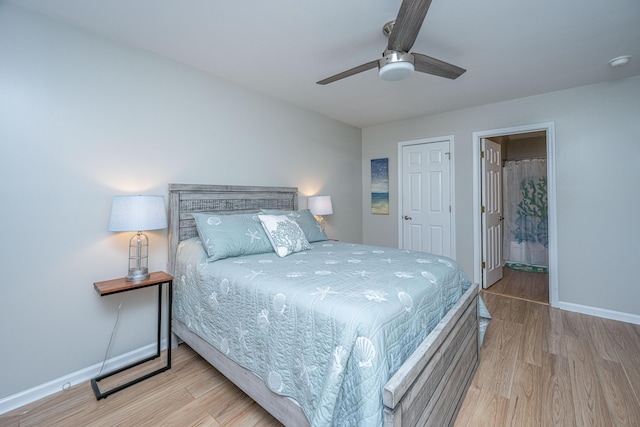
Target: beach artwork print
{"x": 380, "y": 186}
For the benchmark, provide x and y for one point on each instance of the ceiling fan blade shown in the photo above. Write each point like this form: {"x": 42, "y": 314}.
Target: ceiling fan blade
{"x": 351, "y": 72}
{"x": 407, "y": 24}
{"x": 429, "y": 65}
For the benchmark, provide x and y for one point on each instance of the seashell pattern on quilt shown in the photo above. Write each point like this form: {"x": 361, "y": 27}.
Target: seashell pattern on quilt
{"x": 327, "y": 326}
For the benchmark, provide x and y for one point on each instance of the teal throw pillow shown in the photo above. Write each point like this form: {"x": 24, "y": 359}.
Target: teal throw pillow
{"x": 225, "y": 236}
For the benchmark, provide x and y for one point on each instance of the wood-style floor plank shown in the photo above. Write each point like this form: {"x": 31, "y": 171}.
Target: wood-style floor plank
{"x": 539, "y": 366}
{"x": 532, "y": 334}
{"x": 557, "y": 396}
{"x": 588, "y": 397}
{"x": 496, "y": 370}
{"x": 532, "y": 287}
{"x": 553, "y": 333}
{"x": 525, "y": 401}
{"x": 482, "y": 409}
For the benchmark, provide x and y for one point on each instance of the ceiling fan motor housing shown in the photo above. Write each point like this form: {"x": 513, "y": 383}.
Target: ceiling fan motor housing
{"x": 394, "y": 65}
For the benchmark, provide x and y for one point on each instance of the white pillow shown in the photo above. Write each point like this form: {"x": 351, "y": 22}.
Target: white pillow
{"x": 284, "y": 233}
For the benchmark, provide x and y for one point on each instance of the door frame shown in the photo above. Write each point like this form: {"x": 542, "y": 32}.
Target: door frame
{"x": 549, "y": 127}
{"x": 452, "y": 186}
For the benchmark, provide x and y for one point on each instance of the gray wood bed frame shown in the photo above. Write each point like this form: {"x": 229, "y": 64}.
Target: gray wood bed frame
{"x": 429, "y": 387}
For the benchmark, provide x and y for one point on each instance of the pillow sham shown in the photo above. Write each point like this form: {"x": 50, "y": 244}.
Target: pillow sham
{"x": 307, "y": 222}
{"x": 284, "y": 233}
{"x": 225, "y": 236}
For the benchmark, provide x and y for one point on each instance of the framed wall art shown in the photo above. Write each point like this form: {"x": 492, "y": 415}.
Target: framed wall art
{"x": 380, "y": 186}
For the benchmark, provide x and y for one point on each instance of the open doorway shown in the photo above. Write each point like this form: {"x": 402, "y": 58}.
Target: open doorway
{"x": 521, "y": 216}
{"x": 518, "y": 255}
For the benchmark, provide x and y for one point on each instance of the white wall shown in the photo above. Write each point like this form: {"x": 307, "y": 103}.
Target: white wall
{"x": 83, "y": 119}
{"x": 597, "y": 170}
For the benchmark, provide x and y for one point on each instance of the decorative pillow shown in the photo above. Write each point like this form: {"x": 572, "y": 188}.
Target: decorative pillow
{"x": 284, "y": 233}
{"x": 307, "y": 222}
{"x": 226, "y": 236}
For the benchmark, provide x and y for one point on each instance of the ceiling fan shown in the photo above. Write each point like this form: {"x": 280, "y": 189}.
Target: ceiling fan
{"x": 397, "y": 62}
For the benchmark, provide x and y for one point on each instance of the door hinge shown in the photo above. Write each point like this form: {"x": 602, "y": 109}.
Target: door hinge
{"x": 482, "y": 154}
{"x": 448, "y": 155}
{"x": 482, "y": 209}
{"x": 449, "y": 208}
{"x": 484, "y": 265}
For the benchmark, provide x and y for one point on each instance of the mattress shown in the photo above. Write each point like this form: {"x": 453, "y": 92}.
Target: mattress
{"x": 326, "y": 327}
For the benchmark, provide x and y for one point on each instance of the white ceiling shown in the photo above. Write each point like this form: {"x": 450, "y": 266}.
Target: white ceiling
{"x": 511, "y": 48}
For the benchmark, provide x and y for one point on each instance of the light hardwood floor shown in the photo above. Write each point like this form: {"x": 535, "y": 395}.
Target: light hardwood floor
{"x": 527, "y": 286}
{"x": 539, "y": 367}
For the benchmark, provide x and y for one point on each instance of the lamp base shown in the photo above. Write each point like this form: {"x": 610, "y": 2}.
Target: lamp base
{"x": 320, "y": 220}
{"x": 137, "y": 275}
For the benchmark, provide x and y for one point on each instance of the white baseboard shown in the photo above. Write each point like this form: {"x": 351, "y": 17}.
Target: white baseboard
{"x": 22, "y": 398}
{"x": 600, "y": 312}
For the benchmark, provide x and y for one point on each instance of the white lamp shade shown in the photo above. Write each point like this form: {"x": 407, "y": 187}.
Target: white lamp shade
{"x": 138, "y": 213}
{"x": 320, "y": 205}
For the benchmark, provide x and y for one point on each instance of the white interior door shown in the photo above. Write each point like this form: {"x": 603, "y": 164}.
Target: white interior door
{"x": 426, "y": 198}
{"x": 491, "y": 212}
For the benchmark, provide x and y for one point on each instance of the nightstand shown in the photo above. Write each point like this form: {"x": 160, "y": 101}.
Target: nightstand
{"x": 115, "y": 286}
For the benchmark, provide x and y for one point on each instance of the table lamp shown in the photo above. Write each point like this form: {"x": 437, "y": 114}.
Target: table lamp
{"x": 320, "y": 206}
{"x": 138, "y": 213}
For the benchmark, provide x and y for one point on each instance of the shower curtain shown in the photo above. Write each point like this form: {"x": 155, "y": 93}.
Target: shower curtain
{"x": 526, "y": 238}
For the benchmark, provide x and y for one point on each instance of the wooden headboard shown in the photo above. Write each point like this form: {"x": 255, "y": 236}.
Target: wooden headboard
{"x": 185, "y": 199}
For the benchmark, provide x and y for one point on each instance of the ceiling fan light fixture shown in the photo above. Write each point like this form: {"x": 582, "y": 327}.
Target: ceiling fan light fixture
{"x": 394, "y": 66}
{"x": 619, "y": 61}
{"x": 396, "y": 71}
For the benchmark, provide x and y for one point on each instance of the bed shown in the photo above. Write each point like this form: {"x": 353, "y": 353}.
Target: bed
{"x": 424, "y": 374}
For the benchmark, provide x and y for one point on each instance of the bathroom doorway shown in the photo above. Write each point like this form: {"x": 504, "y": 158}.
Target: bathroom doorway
{"x": 515, "y": 231}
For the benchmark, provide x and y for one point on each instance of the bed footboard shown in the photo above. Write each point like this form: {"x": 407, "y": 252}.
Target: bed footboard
{"x": 427, "y": 390}
{"x": 282, "y": 408}
{"x": 430, "y": 386}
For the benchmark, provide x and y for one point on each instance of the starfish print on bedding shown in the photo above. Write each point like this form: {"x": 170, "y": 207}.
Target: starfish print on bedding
{"x": 199, "y": 311}
{"x": 254, "y": 274}
{"x": 213, "y": 301}
{"x": 305, "y": 370}
{"x": 253, "y": 235}
{"x": 403, "y": 275}
{"x": 263, "y": 319}
{"x": 242, "y": 333}
{"x": 323, "y": 292}
{"x": 338, "y": 365}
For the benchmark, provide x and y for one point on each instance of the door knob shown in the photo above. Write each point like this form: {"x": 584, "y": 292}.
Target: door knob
{"x": 407, "y": 217}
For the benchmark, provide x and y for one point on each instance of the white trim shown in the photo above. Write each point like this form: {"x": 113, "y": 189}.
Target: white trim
{"x": 25, "y": 397}
{"x": 600, "y": 312}
{"x": 549, "y": 127}
{"x": 452, "y": 184}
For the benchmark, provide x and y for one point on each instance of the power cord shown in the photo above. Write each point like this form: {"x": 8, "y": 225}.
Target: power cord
{"x": 113, "y": 332}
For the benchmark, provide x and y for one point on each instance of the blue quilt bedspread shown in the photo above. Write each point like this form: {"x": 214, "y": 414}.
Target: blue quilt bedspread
{"x": 327, "y": 327}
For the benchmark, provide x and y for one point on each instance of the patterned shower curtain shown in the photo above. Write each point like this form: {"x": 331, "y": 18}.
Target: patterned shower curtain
{"x": 526, "y": 238}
